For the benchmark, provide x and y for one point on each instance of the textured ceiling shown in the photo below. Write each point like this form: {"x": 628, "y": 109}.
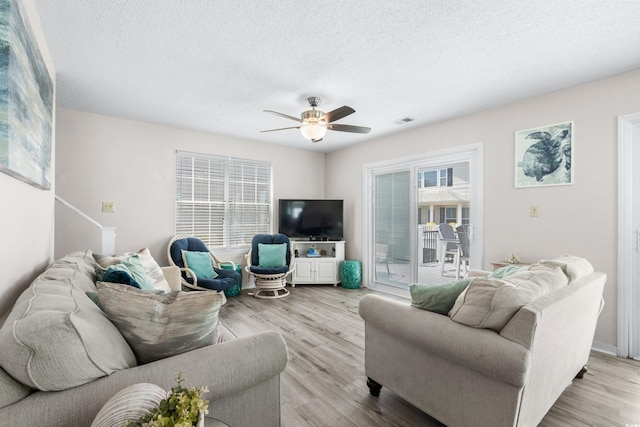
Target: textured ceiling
{"x": 214, "y": 65}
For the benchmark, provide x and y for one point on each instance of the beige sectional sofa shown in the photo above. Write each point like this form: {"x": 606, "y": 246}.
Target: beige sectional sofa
{"x": 62, "y": 357}
{"x": 491, "y": 367}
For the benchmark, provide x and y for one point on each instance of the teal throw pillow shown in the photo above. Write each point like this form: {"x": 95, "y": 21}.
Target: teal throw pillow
{"x": 505, "y": 271}
{"x": 272, "y": 256}
{"x": 437, "y": 298}
{"x": 115, "y": 275}
{"x": 200, "y": 263}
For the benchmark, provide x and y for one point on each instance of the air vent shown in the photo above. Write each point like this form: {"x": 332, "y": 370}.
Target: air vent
{"x": 404, "y": 120}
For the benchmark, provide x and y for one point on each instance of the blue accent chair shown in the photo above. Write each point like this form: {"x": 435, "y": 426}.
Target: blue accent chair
{"x": 271, "y": 282}
{"x": 226, "y": 278}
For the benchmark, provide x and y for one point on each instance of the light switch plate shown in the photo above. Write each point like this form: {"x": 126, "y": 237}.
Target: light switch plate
{"x": 533, "y": 211}
{"x": 108, "y": 207}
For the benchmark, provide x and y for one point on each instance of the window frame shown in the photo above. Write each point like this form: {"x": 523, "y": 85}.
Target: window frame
{"x": 226, "y": 183}
{"x": 443, "y": 178}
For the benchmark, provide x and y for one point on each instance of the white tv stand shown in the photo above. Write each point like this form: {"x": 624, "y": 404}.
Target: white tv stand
{"x": 315, "y": 270}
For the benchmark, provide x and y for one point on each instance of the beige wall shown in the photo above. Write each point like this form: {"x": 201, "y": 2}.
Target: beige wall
{"x": 580, "y": 219}
{"x": 133, "y": 164}
{"x": 26, "y": 216}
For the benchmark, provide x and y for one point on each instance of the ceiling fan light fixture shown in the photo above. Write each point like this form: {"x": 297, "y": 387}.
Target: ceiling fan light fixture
{"x": 313, "y": 131}
{"x": 313, "y": 123}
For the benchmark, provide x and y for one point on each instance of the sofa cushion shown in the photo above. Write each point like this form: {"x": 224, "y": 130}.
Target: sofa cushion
{"x": 11, "y": 390}
{"x": 491, "y": 303}
{"x": 80, "y": 266}
{"x": 129, "y": 404}
{"x": 55, "y": 337}
{"x": 159, "y": 326}
{"x": 437, "y": 298}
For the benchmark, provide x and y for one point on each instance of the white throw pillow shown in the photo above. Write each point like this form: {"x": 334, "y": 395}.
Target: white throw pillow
{"x": 491, "y": 303}
{"x": 573, "y": 266}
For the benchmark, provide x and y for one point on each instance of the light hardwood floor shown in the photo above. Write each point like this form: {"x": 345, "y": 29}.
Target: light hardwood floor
{"x": 324, "y": 383}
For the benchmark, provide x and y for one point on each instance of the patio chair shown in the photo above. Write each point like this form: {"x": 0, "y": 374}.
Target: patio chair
{"x": 222, "y": 280}
{"x": 449, "y": 242}
{"x": 463, "y": 256}
{"x": 382, "y": 255}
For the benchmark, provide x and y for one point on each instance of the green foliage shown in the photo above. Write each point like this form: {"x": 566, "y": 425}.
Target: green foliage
{"x": 181, "y": 409}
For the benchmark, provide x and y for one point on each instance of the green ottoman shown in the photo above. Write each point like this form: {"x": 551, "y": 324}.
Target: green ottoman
{"x": 234, "y": 291}
{"x": 350, "y": 274}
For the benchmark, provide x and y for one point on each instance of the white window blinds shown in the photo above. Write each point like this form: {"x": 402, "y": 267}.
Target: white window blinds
{"x": 224, "y": 201}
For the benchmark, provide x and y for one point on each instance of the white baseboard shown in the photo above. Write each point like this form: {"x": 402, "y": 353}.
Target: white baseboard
{"x": 605, "y": 348}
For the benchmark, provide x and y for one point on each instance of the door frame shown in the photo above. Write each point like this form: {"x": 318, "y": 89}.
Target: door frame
{"x": 474, "y": 154}
{"x": 628, "y": 344}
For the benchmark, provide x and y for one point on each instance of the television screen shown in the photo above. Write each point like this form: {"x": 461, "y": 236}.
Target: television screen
{"x": 312, "y": 219}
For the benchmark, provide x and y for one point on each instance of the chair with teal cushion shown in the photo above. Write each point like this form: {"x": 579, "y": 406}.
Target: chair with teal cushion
{"x": 270, "y": 261}
{"x": 203, "y": 269}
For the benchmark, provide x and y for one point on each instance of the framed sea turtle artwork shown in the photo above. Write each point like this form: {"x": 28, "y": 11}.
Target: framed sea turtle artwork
{"x": 544, "y": 156}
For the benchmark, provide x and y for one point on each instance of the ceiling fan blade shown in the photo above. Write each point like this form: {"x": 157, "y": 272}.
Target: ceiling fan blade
{"x": 273, "y": 130}
{"x": 286, "y": 116}
{"x": 349, "y": 128}
{"x": 338, "y": 113}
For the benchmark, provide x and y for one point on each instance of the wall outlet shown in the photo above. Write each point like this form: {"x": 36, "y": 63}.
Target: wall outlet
{"x": 108, "y": 207}
{"x": 533, "y": 211}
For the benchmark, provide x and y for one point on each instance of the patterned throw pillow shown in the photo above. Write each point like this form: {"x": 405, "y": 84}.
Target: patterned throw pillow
{"x": 159, "y": 326}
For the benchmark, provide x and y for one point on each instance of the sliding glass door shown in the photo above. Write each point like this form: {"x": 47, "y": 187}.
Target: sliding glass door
{"x": 392, "y": 228}
{"x": 407, "y": 200}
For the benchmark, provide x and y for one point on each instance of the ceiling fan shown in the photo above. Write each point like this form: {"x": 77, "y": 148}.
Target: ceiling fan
{"x": 314, "y": 123}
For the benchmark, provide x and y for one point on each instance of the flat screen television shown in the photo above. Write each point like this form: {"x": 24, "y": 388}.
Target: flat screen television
{"x": 313, "y": 219}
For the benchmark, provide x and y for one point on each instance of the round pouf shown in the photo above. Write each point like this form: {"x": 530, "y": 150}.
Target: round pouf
{"x": 350, "y": 274}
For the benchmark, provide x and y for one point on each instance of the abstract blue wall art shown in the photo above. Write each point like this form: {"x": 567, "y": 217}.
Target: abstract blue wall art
{"x": 26, "y": 100}
{"x": 544, "y": 156}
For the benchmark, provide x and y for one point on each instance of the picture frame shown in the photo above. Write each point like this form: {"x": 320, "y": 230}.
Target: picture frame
{"x": 544, "y": 156}
{"x": 26, "y": 101}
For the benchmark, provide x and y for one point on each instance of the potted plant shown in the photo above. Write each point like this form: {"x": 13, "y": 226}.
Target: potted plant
{"x": 183, "y": 407}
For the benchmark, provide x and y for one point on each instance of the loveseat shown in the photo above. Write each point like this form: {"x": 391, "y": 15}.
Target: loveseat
{"x": 62, "y": 358}
{"x": 503, "y": 353}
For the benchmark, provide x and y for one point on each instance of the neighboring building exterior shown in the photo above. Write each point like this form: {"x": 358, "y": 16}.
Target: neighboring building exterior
{"x": 443, "y": 195}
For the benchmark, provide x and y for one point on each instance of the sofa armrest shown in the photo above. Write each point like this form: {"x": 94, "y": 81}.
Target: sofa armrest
{"x": 481, "y": 350}
{"x": 227, "y": 369}
{"x": 172, "y": 275}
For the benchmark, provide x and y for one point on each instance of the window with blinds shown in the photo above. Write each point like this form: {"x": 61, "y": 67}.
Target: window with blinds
{"x": 223, "y": 201}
